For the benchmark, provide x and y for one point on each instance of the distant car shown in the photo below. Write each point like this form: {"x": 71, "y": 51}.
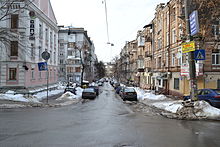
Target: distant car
{"x": 212, "y": 96}
{"x": 70, "y": 89}
{"x": 89, "y": 93}
{"x": 96, "y": 89}
{"x": 128, "y": 94}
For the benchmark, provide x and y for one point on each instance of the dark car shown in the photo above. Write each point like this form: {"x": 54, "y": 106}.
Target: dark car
{"x": 96, "y": 89}
{"x": 118, "y": 89}
{"x": 89, "y": 93}
{"x": 212, "y": 96}
{"x": 70, "y": 89}
{"x": 128, "y": 94}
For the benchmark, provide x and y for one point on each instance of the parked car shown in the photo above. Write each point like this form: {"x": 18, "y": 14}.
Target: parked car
{"x": 118, "y": 89}
{"x": 70, "y": 89}
{"x": 96, "y": 89}
{"x": 128, "y": 94}
{"x": 212, "y": 96}
{"x": 89, "y": 93}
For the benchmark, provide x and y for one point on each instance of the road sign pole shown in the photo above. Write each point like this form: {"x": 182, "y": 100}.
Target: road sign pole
{"x": 47, "y": 82}
{"x": 45, "y": 55}
{"x": 192, "y": 67}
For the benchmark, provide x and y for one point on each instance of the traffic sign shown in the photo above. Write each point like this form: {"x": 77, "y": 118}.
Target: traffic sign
{"x": 194, "y": 23}
{"x": 199, "y": 54}
{"x": 42, "y": 66}
{"x": 188, "y": 47}
{"x": 45, "y": 55}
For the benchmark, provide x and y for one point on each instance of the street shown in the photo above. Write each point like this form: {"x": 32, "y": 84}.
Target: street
{"x": 106, "y": 121}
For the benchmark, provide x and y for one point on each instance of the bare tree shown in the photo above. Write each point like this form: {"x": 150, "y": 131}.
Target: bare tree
{"x": 209, "y": 16}
{"x": 8, "y": 8}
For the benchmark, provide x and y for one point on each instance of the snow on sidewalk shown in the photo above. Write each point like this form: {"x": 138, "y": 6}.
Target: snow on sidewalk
{"x": 201, "y": 109}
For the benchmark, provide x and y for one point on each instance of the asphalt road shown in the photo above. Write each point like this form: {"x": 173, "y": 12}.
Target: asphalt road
{"x": 104, "y": 122}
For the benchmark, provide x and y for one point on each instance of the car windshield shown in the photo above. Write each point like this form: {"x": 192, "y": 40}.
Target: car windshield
{"x": 217, "y": 91}
{"x": 88, "y": 90}
{"x": 129, "y": 90}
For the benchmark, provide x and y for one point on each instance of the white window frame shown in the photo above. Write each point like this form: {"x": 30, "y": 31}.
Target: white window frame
{"x": 173, "y": 35}
{"x": 216, "y": 55}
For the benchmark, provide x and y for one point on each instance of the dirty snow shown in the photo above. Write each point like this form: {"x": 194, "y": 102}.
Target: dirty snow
{"x": 147, "y": 94}
{"x": 171, "y": 106}
{"x": 71, "y": 96}
{"x": 202, "y": 109}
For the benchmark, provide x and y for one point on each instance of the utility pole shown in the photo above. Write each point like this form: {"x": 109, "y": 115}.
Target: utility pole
{"x": 191, "y": 61}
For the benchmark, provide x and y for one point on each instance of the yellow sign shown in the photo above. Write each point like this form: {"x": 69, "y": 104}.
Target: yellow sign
{"x": 188, "y": 47}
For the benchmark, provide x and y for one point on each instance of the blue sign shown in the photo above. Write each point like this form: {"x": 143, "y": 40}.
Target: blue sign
{"x": 42, "y": 66}
{"x": 194, "y": 23}
{"x": 199, "y": 54}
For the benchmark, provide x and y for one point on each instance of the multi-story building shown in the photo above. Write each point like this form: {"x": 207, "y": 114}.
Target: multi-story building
{"x": 166, "y": 68}
{"x": 76, "y": 55}
{"x": 27, "y": 30}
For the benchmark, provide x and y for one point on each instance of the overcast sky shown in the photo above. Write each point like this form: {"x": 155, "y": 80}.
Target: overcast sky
{"x": 125, "y": 18}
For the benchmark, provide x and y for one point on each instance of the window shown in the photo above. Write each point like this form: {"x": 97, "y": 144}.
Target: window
{"x": 216, "y": 29}
{"x": 70, "y": 69}
{"x": 32, "y": 50}
{"x": 40, "y": 31}
{"x": 54, "y": 57}
{"x": 46, "y": 35}
{"x": 179, "y": 56}
{"x": 32, "y": 74}
{"x": 40, "y": 76}
{"x": 215, "y": 58}
{"x": 51, "y": 39}
{"x": 159, "y": 62}
{"x": 12, "y": 73}
{"x": 71, "y": 44}
{"x": 14, "y": 21}
{"x": 61, "y": 61}
{"x": 14, "y": 48}
{"x": 70, "y": 53}
{"x": 176, "y": 83}
{"x": 167, "y": 59}
{"x": 40, "y": 51}
{"x": 78, "y": 69}
{"x": 167, "y": 38}
{"x": 173, "y": 36}
{"x": 173, "y": 60}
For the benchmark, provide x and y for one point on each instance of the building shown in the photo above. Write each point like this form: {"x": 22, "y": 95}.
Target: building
{"x": 77, "y": 56}
{"x": 29, "y": 29}
{"x": 156, "y": 60}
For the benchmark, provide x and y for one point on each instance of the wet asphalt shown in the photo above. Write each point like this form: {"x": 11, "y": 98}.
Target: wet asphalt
{"x": 106, "y": 121}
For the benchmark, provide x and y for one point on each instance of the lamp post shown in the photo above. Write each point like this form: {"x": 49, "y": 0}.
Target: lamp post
{"x": 191, "y": 61}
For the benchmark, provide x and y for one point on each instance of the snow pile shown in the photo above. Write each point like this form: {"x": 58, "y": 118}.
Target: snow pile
{"x": 42, "y": 95}
{"x": 142, "y": 95}
{"x": 10, "y": 95}
{"x": 67, "y": 96}
{"x": 204, "y": 109}
{"x": 79, "y": 91}
{"x": 170, "y": 106}
{"x": 152, "y": 96}
{"x": 70, "y": 96}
